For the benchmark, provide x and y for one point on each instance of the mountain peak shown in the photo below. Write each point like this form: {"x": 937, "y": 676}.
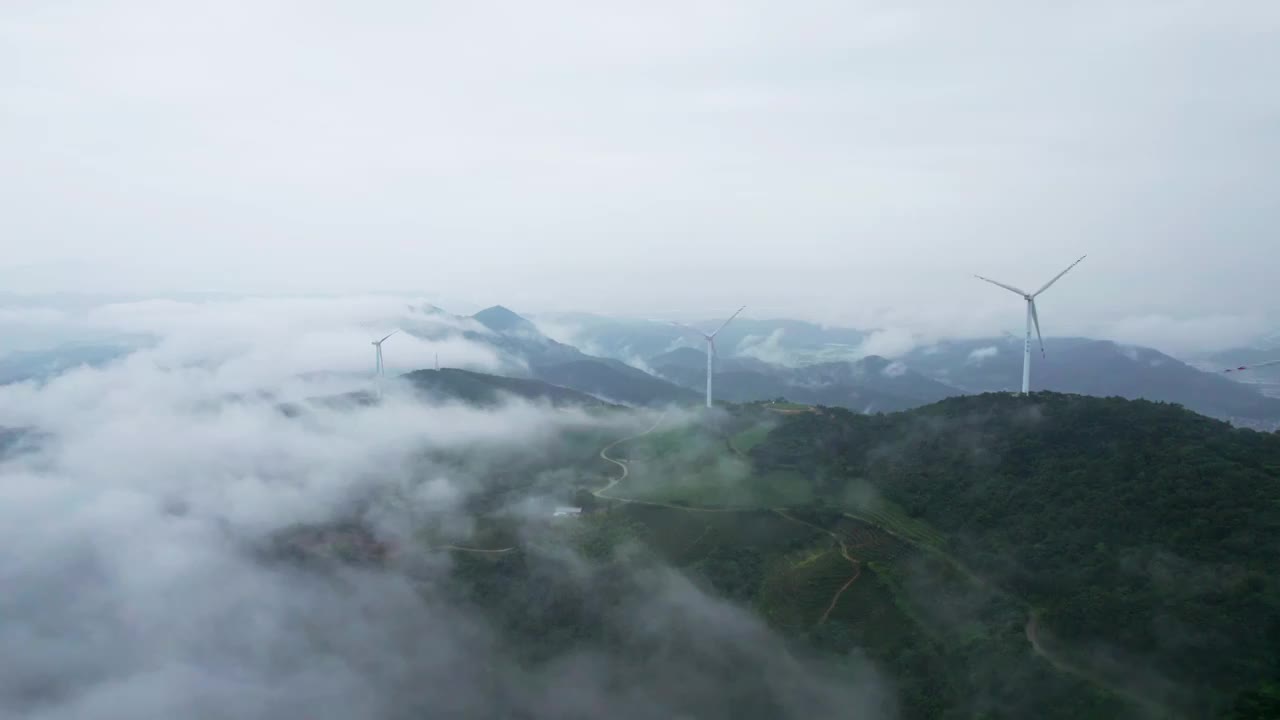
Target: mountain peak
{"x": 502, "y": 320}
{"x": 875, "y": 363}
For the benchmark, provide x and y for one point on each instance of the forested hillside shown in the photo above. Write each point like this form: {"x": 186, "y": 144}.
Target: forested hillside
{"x": 1144, "y": 536}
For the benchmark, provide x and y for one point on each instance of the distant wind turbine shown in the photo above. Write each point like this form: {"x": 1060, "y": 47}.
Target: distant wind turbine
{"x": 711, "y": 345}
{"x": 1032, "y": 317}
{"x": 378, "y": 369}
{"x": 1253, "y": 367}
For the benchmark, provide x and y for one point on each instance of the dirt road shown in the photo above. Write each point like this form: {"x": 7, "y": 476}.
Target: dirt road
{"x": 844, "y": 550}
{"x": 604, "y": 455}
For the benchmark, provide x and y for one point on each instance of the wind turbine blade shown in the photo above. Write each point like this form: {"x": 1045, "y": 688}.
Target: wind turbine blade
{"x": 1253, "y": 367}
{"x": 384, "y": 337}
{"x": 1010, "y": 288}
{"x": 1055, "y": 277}
{"x": 726, "y": 322}
{"x": 1035, "y": 317}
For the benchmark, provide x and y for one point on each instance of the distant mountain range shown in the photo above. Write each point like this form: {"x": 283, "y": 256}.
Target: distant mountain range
{"x": 770, "y": 359}
{"x": 1265, "y": 379}
{"x": 872, "y": 384}
{"x": 1095, "y": 367}
{"x": 560, "y": 364}
{"x": 639, "y": 362}
{"x": 780, "y": 341}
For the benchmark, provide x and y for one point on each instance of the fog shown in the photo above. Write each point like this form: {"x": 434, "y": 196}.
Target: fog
{"x": 136, "y": 509}
{"x": 249, "y": 342}
{"x": 243, "y": 195}
{"x": 847, "y": 162}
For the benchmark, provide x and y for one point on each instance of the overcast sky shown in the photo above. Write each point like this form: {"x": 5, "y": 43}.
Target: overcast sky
{"x": 848, "y": 161}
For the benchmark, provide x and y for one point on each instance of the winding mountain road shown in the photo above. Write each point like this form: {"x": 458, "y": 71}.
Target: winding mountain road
{"x": 604, "y": 455}
{"x": 624, "y": 466}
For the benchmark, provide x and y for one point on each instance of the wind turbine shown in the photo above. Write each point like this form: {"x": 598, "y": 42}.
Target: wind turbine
{"x": 1032, "y": 317}
{"x": 711, "y": 345}
{"x": 378, "y": 370}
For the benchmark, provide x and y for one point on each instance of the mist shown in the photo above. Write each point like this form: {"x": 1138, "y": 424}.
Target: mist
{"x": 140, "y": 506}
{"x": 850, "y": 163}
{"x": 213, "y": 505}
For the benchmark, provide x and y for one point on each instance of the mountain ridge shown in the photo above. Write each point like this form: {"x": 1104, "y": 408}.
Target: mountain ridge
{"x": 1138, "y": 525}
{"x": 487, "y": 390}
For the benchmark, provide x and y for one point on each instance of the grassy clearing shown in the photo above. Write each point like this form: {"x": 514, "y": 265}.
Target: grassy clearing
{"x": 693, "y": 467}
{"x": 789, "y": 407}
{"x": 727, "y": 483}
{"x": 680, "y": 442}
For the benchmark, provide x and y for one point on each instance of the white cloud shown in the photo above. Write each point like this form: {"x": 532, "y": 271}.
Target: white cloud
{"x": 890, "y": 342}
{"x": 251, "y": 342}
{"x": 894, "y": 369}
{"x": 134, "y": 585}
{"x": 571, "y": 333}
{"x": 984, "y": 353}
{"x": 768, "y": 348}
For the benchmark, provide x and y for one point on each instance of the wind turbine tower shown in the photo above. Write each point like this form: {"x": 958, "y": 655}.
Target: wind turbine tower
{"x": 711, "y": 346}
{"x": 1032, "y": 317}
{"x": 378, "y": 369}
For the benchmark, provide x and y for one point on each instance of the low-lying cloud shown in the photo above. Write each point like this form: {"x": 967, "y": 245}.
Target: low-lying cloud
{"x": 769, "y": 348}
{"x": 133, "y": 588}
{"x": 252, "y": 342}
{"x": 894, "y": 369}
{"x": 889, "y": 342}
{"x": 978, "y": 355}
{"x": 578, "y": 336}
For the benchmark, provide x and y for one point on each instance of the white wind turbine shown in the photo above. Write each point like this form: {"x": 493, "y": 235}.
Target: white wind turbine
{"x": 378, "y": 369}
{"x": 711, "y": 345}
{"x": 1032, "y": 317}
